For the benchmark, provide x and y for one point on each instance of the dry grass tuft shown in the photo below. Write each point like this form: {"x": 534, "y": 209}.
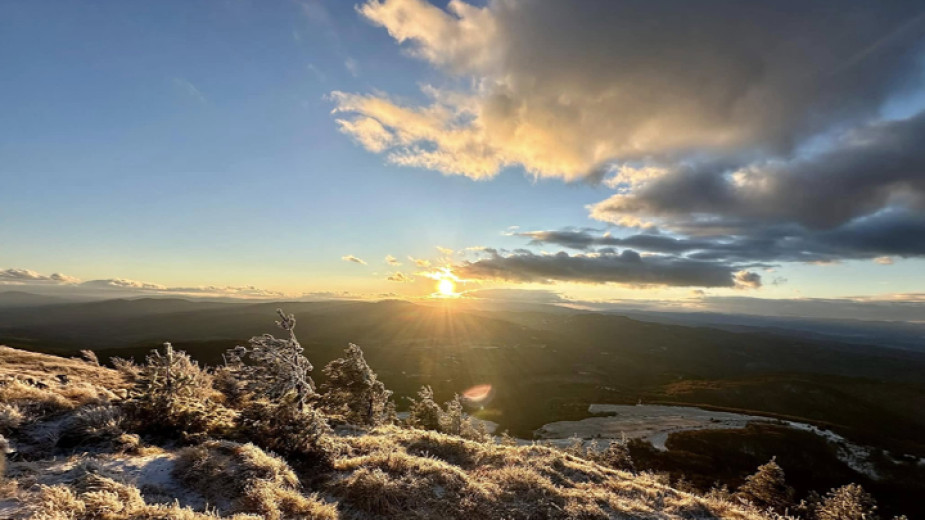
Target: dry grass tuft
{"x": 402, "y": 473}
{"x": 96, "y": 423}
{"x": 253, "y": 480}
{"x": 11, "y": 418}
{"x": 96, "y": 497}
{"x": 34, "y": 386}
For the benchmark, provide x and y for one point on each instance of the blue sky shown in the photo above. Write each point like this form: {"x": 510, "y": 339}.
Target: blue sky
{"x": 193, "y": 143}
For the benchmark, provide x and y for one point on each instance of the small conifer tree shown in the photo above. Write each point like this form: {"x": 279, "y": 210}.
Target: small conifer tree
{"x": 272, "y": 367}
{"x": 453, "y": 419}
{"x": 848, "y": 502}
{"x": 353, "y": 390}
{"x": 391, "y": 414}
{"x": 768, "y": 488}
{"x": 282, "y": 426}
{"x": 617, "y": 456}
{"x": 172, "y": 392}
{"x": 424, "y": 412}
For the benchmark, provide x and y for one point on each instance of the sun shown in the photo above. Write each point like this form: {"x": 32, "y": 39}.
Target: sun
{"x": 446, "y": 287}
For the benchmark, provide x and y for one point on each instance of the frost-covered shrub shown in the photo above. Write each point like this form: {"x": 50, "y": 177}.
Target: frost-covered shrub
{"x": 173, "y": 394}
{"x": 272, "y": 367}
{"x": 455, "y": 421}
{"x": 353, "y": 391}
{"x": 391, "y": 414}
{"x": 225, "y": 380}
{"x": 848, "y": 502}
{"x": 424, "y": 412}
{"x": 616, "y": 456}
{"x": 768, "y": 488}
{"x": 282, "y": 426}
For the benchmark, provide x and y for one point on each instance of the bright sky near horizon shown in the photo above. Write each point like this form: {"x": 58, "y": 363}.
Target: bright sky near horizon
{"x": 615, "y": 150}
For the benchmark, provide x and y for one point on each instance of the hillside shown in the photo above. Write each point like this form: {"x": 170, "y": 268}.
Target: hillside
{"x": 544, "y": 366}
{"x": 548, "y": 366}
{"x": 75, "y": 455}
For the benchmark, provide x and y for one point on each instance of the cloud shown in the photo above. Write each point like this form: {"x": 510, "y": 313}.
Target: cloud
{"x": 517, "y": 295}
{"x": 884, "y": 260}
{"x": 399, "y": 277}
{"x": 420, "y": 262}
{"x": 351, "y": 258}
{"x": 574, "y": 93}
{"x": 352, "y": 67}
{"x": 315, "y": 11}
{"x": 887, "y": 233}
{"x": 391, "y": 260}
{"x": 135, "y": 287}
{"x": 58, "y": 283}
{"x": 747, "y": 280}
{"x": 736, "y": 135}
{"x": 445, "y": 251}
{"x": 627, "y": 268}
{"x": 866, "y": 170}
{"x": 122, "y": 283}
{"x": 13, "y": 276}
{"x": 587, "y": 239}
{"x": 188, "y": 89}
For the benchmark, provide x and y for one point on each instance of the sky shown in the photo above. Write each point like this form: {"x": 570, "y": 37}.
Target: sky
{"x": 606, "y": 151}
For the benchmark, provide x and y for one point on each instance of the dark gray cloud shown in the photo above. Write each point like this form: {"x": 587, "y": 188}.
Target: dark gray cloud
{"x": 627, "y": 267}
{"x": 862, "y": 198}
{"x": 588, "y": 239}
{"x": 887, "y": 233}
{"x": 867, "y": 170}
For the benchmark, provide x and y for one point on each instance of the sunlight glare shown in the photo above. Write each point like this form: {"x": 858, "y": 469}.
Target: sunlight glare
{"x": 446, "y": 287}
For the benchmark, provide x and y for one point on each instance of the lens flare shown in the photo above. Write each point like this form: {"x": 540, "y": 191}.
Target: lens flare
{"x": 477, "y": 393}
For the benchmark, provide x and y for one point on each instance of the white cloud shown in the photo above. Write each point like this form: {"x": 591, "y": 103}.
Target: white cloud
{"x": 399, "y": 277}
{"x": 135, "y": 287}
{"x": 14, "y": 276}
{"x": 187, "y": 88}
{"x": 352, "y": 67}
{"x": 351, "y": 258}
{"x": 420, "y": 262}
{"x": 58, "y": 283}
{"x": 122, "y": 283}
{"x": 391, "y": 260}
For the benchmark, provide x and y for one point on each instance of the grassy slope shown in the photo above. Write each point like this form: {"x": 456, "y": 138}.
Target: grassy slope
{"x": 385, "y": 473}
